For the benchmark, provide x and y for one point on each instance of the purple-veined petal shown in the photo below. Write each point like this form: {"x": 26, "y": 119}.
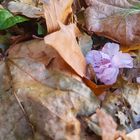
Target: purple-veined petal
{"x": 111, "y": 49}
{"x": 93, "y": 57}
{"x": 90, "y": 57}
{"x": 109, "y": 76}
{"x": 122, "y": 60}
{"x": 97, "y": 58}
{"x": 101, "y": 68}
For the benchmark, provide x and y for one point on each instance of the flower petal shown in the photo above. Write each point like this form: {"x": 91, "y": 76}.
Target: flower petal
{"x": 98, "y": 60}
{"x": 111, "y": 49}
{"x": 93, "y": 57}
{"x": 122, "y": 60}
{"x": 109, "y": 76}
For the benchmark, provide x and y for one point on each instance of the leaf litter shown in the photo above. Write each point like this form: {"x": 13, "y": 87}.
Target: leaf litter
{"x": 48, "y": 89}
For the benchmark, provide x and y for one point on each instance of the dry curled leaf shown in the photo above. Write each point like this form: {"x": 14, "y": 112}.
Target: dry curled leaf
{"x": 57, "y": 10}
{"x": 64, "y": 42}
{"x": 117, "y": 20}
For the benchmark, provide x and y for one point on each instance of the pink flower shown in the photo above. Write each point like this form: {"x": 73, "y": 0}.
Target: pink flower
{"x": 106, "y": 63}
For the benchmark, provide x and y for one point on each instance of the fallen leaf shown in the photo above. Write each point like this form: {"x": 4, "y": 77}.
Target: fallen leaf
{"x": 13, "y": 122}
{"x": 52, "y": 60}
{"x": 117, "y": 20}
{"x": 124, "y": 106}
{"x": 118, "y": 108}
{"x": 108, "y": 125}
{"x": 93, "y": 124}
{"x": 64, "y": 42}
{"x": 131, "y": 93}
{"x": 103, "y": 124}
{"x": 51, "y": 99}
{"x": 56, "y": 10}
{"x": 45, "y": 54}
{"x": 25, "y": 9}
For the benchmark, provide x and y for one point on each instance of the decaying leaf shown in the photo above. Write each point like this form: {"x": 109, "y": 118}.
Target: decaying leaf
{"x": 117, "y": 20}
{"x": 25, "y": 9}
{"x": 45, "y": 91}
{"x": 13, "y": 122}
{"x": 55, "y": 11}
{"x": 107, "y": 125}
{"x": 64, "y": 42}
{"x": 103, "y": 124}
{"x": 45, "y": 54}
{"x": 124, "y": 106}
{"x": 52, "y": 101}
{"x": 131, "y": 93}
{"x": 93, "y": 124}
{"x": 51, "y": 59}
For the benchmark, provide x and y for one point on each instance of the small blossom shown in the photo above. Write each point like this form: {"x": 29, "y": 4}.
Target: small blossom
{"x": 106, "y": 63}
